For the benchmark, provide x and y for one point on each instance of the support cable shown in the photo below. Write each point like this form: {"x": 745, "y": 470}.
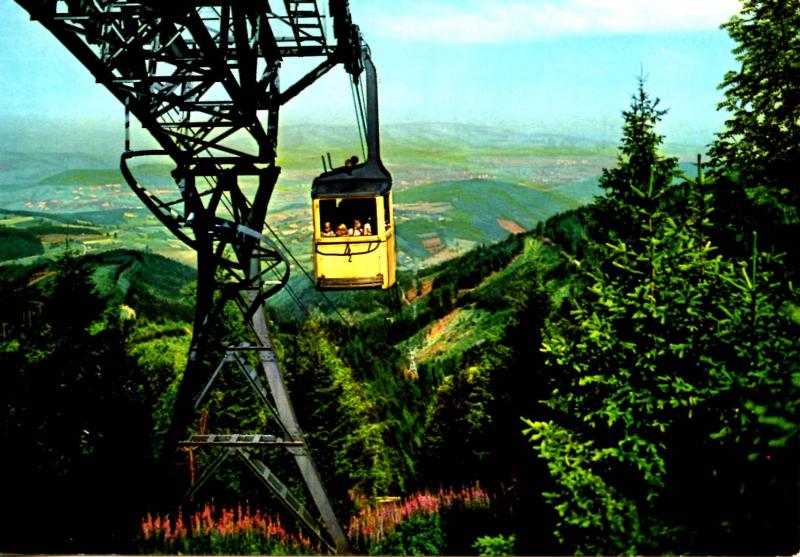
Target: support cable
{"x": 296, "y": 299}
{"x": 308, "y": 276}
{"x": 359, "y": 118}
{"x": 362, "y": 108}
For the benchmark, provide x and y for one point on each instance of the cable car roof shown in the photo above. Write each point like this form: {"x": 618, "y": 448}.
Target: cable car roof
{"x": 359, "y": 181}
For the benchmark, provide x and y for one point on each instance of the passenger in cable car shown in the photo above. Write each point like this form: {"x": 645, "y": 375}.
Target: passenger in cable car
{"x": 356, "y": 230}
{"x": 327, "y": 231}
{"x": 368, "y": 227}
{"x": 351, "y": 162}
{"x": 341, "y": 230}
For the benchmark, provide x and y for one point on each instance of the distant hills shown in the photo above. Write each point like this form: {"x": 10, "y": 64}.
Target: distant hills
{"x": 456, "y": 186}
{"x": 439, "y": 220}
{"x": 152, "y": 173}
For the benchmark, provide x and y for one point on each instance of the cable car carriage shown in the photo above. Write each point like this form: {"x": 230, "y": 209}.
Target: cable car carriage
{"x": 354, "y": 237}
{"x": 354, "y": 232}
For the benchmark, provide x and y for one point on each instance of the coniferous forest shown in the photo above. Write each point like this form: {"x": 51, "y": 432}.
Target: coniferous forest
{"x": 622, "y": 379}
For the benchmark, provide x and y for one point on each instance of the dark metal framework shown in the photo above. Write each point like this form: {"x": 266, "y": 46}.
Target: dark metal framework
{"x": 202, "y": 77}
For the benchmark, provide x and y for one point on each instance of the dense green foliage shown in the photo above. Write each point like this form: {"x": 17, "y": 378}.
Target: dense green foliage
{"x": 84, "y": 387}
{"x": 42, "y": 229}
{"x": 495, "y": 545}
{"x": 348, "y": 407}
{"x": 75, "y": 420}
{"x": 761, "y": 137}
{"x": 673, "y": 352}
{"x": 756, "y": 156}
{"x": 15, "y": 244}
{"x": 676, "y": 373}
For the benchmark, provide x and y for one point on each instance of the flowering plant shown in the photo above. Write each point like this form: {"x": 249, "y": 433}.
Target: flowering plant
{"x": 239, "y": 531}
{"x": 412, "y": 526}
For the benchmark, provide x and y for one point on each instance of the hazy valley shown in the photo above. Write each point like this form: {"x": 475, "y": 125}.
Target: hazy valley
{"x": 455, "y": 187}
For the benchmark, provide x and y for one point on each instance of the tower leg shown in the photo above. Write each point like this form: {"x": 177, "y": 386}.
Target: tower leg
{"x": 248, "y": 262}
{"x": 283, "y": 404}
{"x": 286, "y": 413}
{"x": 196, "y": 368}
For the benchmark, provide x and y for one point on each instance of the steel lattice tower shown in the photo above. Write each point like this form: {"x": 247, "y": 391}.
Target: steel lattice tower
{"x": 202, "y": 77}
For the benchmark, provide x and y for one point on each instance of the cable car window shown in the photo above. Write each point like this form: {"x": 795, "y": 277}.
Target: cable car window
{"x": 348, "y": 217}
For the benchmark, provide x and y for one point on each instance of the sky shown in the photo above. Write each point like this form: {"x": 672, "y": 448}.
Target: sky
{"x": 550, "y": 66}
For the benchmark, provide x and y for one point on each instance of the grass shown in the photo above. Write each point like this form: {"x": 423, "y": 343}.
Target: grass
{"x": 481, "y": 197}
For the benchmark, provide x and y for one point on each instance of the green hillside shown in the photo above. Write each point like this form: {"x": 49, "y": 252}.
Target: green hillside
{"x": 157, "y": 286}
{"x": 444, "y": 218}
{"x": 455, "y": 186}
{"x": 83, "y": 177}
{"x": 17, "y": 244}
{"x": 101, "y": 177}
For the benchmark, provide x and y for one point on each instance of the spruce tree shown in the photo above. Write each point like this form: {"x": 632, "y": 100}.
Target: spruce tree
{"x": 614, "y": 216}
{"x": 675, "y": 377}
{"x": 757, "y": 155}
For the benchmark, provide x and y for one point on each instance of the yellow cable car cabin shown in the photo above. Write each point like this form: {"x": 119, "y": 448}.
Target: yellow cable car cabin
{"x": 354, "y": 232}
